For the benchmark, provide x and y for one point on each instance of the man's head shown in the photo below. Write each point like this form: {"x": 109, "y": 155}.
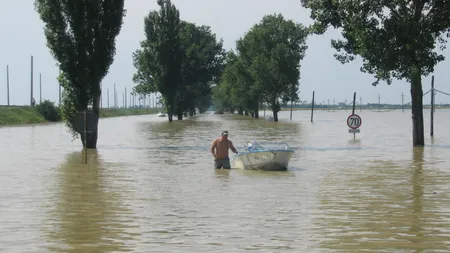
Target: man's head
{"x": 224, "y": 134}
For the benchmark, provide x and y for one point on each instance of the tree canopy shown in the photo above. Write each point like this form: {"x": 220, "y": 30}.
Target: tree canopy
{"x": 266, "y": 67}
{"x": 396, "y": 39}
{"x": 81, "y": 37}
{"x": 178, "y": 59}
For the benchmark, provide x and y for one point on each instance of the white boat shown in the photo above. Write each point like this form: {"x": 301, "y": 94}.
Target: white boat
{"x": 268, "y": 156}
{"x": 269, "y": 118}
{"x": 161, "y": 114}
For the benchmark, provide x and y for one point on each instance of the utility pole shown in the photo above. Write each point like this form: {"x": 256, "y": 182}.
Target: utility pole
{"x": 346, "y": 104}
{"x": 403, "y": 107}
{"x": 360, "y": 104}
{"x": 115, "y": 96}
{"x": 7, "y": 83}
{"x": 31, "y": 83}
{"x": 379, "y": 104}
{"x": 40, "y": 88}
{"x": 107, "y": 98}
{"x": 432, "y": 107}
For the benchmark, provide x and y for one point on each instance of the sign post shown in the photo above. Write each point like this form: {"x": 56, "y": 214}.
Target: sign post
{"x": 354, "y": 121}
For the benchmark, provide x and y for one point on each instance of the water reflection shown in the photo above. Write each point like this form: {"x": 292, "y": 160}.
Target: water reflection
{"x": 87, "y": 216}
{"x": 381, "y": 207}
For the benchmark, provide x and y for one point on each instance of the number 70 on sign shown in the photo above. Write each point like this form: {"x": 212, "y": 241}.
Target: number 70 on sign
{"x": 354, "y": 122}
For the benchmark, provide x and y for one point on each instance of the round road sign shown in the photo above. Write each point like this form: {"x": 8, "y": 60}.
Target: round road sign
{"x": 354, "y": 121}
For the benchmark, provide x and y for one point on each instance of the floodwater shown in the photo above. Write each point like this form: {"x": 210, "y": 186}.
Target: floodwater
{"x": 150, "y": 187}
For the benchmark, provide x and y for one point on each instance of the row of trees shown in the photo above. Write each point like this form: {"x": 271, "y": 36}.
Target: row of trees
{"x": 265, "y": 69}
{"x": 178, "y": 59}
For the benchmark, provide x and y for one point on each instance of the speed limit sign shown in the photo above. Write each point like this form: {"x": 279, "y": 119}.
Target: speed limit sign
{"x": 354, "y": 121}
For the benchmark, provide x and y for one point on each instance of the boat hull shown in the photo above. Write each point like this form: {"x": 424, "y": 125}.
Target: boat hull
{"x": 263, "y": 160}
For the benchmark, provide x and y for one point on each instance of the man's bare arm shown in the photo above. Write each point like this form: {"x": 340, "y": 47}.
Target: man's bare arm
{"x": 213, "y": 147}
{"x": 233, "y": 148}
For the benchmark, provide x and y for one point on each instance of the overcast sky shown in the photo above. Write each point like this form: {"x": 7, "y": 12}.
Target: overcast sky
{"x": 22, "y": 36}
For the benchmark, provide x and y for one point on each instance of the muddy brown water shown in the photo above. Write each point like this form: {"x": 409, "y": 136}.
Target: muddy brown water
{"x": 150, "y": 187}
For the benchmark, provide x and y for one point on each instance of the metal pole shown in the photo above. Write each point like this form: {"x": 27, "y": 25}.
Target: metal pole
{"x": 107, "y": 99}
{"x": 115, "y": 96}
{"x": 40, "y": 88}
{"x": 31, "y": 83}
{"x": 312, "y": 107}
{"x": 354, "y": 103}
{"x": 360, "y": 104}
{"x": 7, "y": 83}
{"x": 403, "y": 106}
{"x": 432, "y": 107}
{"x": 353, "y": 111}
{"x": 379, "y": 104}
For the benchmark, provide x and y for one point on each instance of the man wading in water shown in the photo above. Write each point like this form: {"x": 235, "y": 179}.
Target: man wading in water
{"x": 219, "y": 149}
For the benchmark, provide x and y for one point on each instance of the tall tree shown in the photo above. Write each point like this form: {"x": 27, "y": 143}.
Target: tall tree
{"x": 81, "y": 37}
{"x": 202, "y": 64}
{"x": 273, "y": 50}
{"x": 159, "y": 61}
{"x": 396, "y": 39}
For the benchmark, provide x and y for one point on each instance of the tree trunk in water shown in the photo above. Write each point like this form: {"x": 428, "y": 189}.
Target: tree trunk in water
{"x": 180, "y": 116}
{"x": 257, "y": 114}
{"x": 170, "y": 116}
{"x": 417, "y": 108}
{"x": 240, "y": 112}
{"x": 92, "y": 137}
{"x": 275, "y": 115}
{"x": 246, "y": 113}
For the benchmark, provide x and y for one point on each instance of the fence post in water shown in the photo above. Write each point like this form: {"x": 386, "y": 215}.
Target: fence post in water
{"x": 432, "y": 107}
{"x": 312, "y": 107}
{"x": 7, "y": 83}
{"x": 85, "y": 137}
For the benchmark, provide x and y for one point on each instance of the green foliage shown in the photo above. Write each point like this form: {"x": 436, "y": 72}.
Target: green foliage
{"x": 48, "y": 110}
{"x": 201, "y": 66}
{"x": 69, "y": 103}
{"x": 81, "y": 37}
{"x": 266, "y": 66}
{"x": 390, "y": 36}
{"x": 158, "y": 62}
{"x": 178, "y": 59}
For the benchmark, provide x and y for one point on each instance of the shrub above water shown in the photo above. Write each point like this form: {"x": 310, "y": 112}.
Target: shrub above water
{"x": 48, "y": 110}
